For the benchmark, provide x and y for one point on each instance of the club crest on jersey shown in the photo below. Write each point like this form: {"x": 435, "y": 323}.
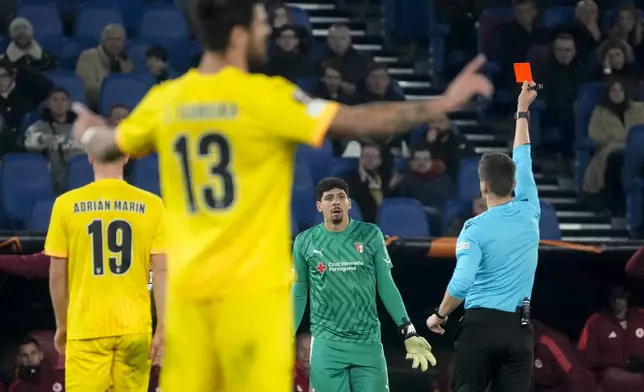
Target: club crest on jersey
{"x": 359, "y": 247}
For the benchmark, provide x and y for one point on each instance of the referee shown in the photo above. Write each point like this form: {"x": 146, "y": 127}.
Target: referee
{"x": 496, "y": 262}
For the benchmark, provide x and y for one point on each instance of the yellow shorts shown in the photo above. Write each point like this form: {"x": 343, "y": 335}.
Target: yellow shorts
{"x": 233, "y": 345}
{"x": 117, "y": 364}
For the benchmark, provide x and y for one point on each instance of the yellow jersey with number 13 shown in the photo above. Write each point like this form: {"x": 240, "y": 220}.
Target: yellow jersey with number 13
{"x": 226, "y": 144}
{"x": 107, "y": 231}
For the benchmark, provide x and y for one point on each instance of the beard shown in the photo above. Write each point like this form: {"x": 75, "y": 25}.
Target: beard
{"x": 337, "y": 220}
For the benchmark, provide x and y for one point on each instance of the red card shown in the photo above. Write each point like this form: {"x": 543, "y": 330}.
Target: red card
{"x": 523, "y": 72}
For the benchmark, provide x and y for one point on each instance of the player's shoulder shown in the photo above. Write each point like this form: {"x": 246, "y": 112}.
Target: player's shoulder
{"x": 73, "y": 195}
{"x": 142, "y": 194}
{"x": 365, "y": 227}
{"x": 261, "y": 80}
{"x": 306, "y": 235}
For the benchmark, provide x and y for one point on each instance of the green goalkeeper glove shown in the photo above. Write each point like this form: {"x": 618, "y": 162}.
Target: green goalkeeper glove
{"x": 418, "y": 349}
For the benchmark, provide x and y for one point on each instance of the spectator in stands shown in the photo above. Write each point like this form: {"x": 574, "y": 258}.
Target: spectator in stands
{"x": 117, "y": 114}
{"x": 427, "y": 182}
{"x": 302, "y": 357}
{"x": 609, "y": 125}
{"x": 280, "y": 16}
{"x": 52, "y": 136}
{"x": 456, "y": 224}
{"x": 447, "y": 145}
{"x": 629, "y": 28}
{"x": 616, "y": 59}
{"x": 556, "y": 366}
{"x": 156, "y": 61}
{"x": 562, "y": 73}
{"x": 354, "y": 63}
{"x": 34, "y": 374}
{"x": 109, "y": 57}
{"x": 20, "y": 93}
{"x": 586, "y": 29}
{"x": 330, "y": 86}
{"x": 24, "y": 51}
{"x": 377, "y": 86}
{"x": 516, "y": 38}
{"x": 612, "y": 344}
{"x": 289, "y": 59}
{"x": 370, "y": 183}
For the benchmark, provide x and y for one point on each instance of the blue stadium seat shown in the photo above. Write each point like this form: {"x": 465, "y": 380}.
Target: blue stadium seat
{"x": 635, "y": 205}
{"x": 4, "y": 42}
{"x": 468, "y": 180}
{"x": 300, "y": 17}
{"x": 451, "y": 210}
{"x": 131, "y": 10}
{"x": 633, "y": 156}
{"x": 145, "y": 174}
{"x": 70, "y": 82}
{"x": 557, "y": 16}
{"x": 489, "y": 21}
{"x": 122, "y": 90}
{"x": 29, "y": 119}
{"x": 588, "y": 96}
{"x": 24, "y": 179}
{"x": 71, "y": 49}
{"x": 295, "y": 226}
{"x": 341, "y": 166}
{"x": 51, "y": 44}
{"x": 307, "y": 84}
{"x": 318, "y": 159}
{"x": 79, "y": 172}
{"x": 403, "y": 217}
{"x": 549, "y": 223}
{"x": 40, "y": 215}
{"x": 164, "y": 22}
{"x": 303, "y": 196}
{"x": 44, "y": 17}
{"x": 91, "y": 20}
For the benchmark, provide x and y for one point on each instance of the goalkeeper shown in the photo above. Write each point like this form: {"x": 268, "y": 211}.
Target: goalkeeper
{"x": 342, "y": 262}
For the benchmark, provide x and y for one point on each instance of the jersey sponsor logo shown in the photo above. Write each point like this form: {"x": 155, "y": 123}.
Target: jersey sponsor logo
{"x": 317, "y": 252}
{"x": 344, "y": 266}
{"x": 321, "y": 268}
{"x": 462, "y": 246}
{"x": 538, "y": 364}
{"x": 639, "y": 333}
{"x": 612, "y": 335}
{"x": 359, "y": 247}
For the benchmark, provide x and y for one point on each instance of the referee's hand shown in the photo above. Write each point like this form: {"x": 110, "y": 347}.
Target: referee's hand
{"x": 434, "y": 323}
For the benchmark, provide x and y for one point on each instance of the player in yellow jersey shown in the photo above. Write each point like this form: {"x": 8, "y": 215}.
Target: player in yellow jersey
{"x": 103, "y": 239}
{"x": 226, "y": 141}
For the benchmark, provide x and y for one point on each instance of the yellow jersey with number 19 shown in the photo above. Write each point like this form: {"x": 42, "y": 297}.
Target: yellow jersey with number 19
{"x": 107, "y": 231}
{"x": 226, "y": 144}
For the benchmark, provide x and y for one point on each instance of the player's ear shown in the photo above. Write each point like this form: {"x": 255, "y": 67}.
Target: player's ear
{"x": 349, "y": 201}
{"x": 89, "y": 158}
{"x": 483, "y": 186}
{"x": 318, "y": 205}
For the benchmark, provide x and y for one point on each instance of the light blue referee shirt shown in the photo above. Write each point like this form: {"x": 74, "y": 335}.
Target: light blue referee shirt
{"x": 497, "y": 251}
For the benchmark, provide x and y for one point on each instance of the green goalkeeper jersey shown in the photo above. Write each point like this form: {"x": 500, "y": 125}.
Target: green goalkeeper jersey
{"x": 342, "y": 272}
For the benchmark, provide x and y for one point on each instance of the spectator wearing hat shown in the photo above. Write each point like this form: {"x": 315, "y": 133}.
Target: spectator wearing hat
{"x": 289, "y": 59}
{"x": 157, "y": 64}
{"x": 24, "y": 51}
{"x": 51, "y": 135}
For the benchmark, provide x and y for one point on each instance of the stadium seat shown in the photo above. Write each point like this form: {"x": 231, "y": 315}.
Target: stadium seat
{"x": 131, "y": 10}
{"x": 303, "y": 196}
{"x": 4, "y": 42}
{"x": 136, "y": 51}
{"x": 91, "y": 20}
{"x": 317, "y": 158}
{"x": 633, "y": 156}
{"x": 44, "y": 17}
{"x": 300, "y": 17}
{"x": 70, "y": 82}
{"x": 557, "y": 16}
{"x": 489, "y": 21}
{"x": 24, "y": 179}
{"x": 145, "y": 174}
{"x": 588, "y": 96}
{"x": 71, "y": 49}
{"x": 451, "y": 210}
{"x": 39, "y": 216}
{"x": 549, "y": 223}
{"x": 51, "y": 44}
{"x": 164, "y": 22}
{"x": 468, "y": 180}
{"x": 307, "y": 84}
{"x": 403, "y": 217}
{"x": 295, "y": 226}
{"x": 122, "y": 90}
{"x": 341, "y": 166}
{"x": 79, "y": 172}
{"x": 29, "y": 119}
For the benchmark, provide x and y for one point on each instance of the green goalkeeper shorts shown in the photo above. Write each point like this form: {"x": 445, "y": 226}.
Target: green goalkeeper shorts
{"x": 347, "y": 367}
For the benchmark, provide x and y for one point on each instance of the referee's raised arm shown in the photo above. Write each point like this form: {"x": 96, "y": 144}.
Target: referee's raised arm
{"x": 525, "y": 188}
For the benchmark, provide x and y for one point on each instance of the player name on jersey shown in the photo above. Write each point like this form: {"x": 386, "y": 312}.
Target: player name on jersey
{"x": 109, "y": 205}
{"x": 211, "y": 111}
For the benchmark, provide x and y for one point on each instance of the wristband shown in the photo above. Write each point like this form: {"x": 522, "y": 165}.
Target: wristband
{"x": 439, "y": 315}
{"x": 407, "y": 330}
{"x": 519, "y": 115}
{"x": 88, "y": 135}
